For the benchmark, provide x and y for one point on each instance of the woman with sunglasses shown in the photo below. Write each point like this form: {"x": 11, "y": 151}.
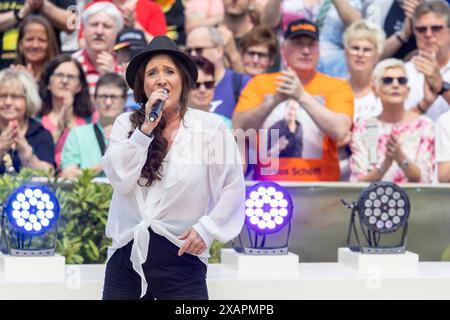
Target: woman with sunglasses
{"x": 203, "y": 91}
{"x": 397, "y": 145}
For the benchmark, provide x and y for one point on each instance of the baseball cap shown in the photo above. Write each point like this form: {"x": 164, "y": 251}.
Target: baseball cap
{"x": 302, "y": 27}
{"x": 133, "y": 39}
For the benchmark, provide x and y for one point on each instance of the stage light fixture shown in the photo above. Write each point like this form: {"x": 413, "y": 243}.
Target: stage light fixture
{"x": 29, "y": 220}
{"x": 382, "y": 208}
{"x": 268, "y": 210}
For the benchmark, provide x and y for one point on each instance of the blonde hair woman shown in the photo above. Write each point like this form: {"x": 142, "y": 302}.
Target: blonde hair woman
{"x": 397, "y": 145}
{"x": 24, "y": 142}
{"x": 363, "y": 42}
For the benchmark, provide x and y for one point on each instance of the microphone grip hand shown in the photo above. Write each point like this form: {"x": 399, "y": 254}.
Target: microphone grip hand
{"x": 153, "y": 109}
{"x": 148, "y": 126}
{"x": 156, "y": 110}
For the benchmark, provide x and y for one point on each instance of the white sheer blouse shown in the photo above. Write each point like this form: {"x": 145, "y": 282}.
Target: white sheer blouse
{"x": 202, "y": 186}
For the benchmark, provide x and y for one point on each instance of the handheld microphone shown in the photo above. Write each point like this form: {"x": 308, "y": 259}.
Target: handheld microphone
{"x": 156, "y": 109}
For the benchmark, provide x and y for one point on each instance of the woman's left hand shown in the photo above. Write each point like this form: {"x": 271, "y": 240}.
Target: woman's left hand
{"x": 193, "y": 244}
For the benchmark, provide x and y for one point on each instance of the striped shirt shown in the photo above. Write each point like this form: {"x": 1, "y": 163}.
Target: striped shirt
{"x": 89, "y": 69}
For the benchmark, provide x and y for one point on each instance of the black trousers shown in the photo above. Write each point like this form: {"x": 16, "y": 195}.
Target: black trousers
{"x": 169, "y": 276}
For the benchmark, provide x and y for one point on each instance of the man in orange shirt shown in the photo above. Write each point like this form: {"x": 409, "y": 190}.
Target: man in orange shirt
{"x": 310, "y": 110}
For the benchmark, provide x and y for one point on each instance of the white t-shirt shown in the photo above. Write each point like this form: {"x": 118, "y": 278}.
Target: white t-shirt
{"x": 367, "y": 107}
{"x": 443, "y": 138}
{"x": 416, "y": 81}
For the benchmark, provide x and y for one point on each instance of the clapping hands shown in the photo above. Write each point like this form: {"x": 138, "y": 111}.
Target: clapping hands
{"x": 426, "y": 63}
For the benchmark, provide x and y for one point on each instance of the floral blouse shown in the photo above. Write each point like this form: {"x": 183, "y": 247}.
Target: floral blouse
{"x": 416, "y": 140}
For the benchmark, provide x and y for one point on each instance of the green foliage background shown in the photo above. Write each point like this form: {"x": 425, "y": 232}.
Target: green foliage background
{"x": 84, "y": 212}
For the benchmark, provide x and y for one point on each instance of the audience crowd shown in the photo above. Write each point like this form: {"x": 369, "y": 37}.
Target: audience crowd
{"x": 339, "y": 90}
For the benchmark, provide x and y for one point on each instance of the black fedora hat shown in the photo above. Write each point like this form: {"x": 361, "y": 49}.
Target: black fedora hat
{"x": 160, "y": 45}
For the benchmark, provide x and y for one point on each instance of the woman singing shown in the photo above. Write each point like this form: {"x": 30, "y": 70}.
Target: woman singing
{"x": 178, "y": 183}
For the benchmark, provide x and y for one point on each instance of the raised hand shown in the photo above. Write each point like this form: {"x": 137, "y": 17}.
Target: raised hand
{"x": 7, "y": 138}
{"x": 409, "y": 6}
{"x": 66, "y": 114}
{"x": 105, "y": 62}
{"x": 426, "y": 63}
{"x": 23, "y": 147}
{"x": 393, "y": 149}
{"x": 288, "y": 84}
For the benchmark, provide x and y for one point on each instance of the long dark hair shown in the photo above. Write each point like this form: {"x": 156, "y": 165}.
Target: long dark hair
{"x": 52, "y": 49}
{"x": 82, "y": 105}
{"x": 158, "y": 148}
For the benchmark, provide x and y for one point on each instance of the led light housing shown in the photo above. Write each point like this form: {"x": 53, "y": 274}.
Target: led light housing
{"x": 268, "y": 211}
{"x": 382, "y": 208}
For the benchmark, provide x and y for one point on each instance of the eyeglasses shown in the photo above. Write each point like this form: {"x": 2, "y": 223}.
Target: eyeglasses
{"x": 259, "y": 55}
{"x": 113, "y": 97}
{"x": 13, "y": 97}
{"x": 366, "y": 52}
{"x": 207, "y": 84}
{"x": 389, "y": 80}
{"x": 198, "y": 51}
{"x": 434, "y": 29}
{"x": 61, "y": 76}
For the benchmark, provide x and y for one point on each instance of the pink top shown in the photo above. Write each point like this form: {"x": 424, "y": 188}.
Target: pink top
{"x": 48, "y": 124}
{"x": 416, "y": 140}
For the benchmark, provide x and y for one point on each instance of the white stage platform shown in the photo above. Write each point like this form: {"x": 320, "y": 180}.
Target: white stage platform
{"x": 312, "y": 281}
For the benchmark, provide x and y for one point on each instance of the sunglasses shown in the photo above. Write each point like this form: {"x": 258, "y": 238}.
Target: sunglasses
{"x": 389, "y": 80}
{"x": 434, "y": 29}
{"x": 198, "y": 51}
{"x": 207, "y": 84}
